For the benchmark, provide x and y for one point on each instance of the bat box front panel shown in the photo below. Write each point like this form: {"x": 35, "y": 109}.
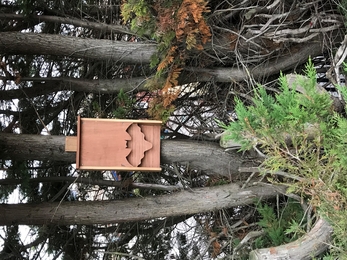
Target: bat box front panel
{"x": 110, "y": 144}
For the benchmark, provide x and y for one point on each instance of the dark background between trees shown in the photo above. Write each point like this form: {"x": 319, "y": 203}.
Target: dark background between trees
{"x": 64, "y": 58}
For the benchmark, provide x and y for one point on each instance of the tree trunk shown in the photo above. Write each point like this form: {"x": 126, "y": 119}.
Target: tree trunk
{"x": 106, "y": 212}
{"x": 49, "y": 44}
{"x": 204, "y": 156}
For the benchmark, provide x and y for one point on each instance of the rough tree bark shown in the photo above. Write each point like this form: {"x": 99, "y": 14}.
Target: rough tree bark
{"x": 34, "y": 147}
{"x": 89, "y": 212}
{"x": 49, "y": 44}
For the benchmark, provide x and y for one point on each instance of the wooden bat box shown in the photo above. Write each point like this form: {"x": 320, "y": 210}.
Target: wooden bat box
{"x": 116, "y": 144}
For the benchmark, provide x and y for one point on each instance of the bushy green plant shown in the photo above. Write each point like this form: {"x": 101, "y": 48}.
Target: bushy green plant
{"x": 300, "y": 133}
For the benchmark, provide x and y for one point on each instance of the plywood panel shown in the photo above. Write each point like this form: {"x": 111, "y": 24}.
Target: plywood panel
{"x": 152, "y": 134}
{"x": 71, "y": 143}
{"x": 144, "y": 121}
{"x": 103, "y": 168}
{"x": 104, "y": 143}
{"x": 138, "y": 145}
{"x": 112, "y": 144}
{"x": 78, "y": 153}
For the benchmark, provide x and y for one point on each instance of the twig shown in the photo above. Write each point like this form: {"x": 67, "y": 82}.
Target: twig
{"x": 32, "y": 104}
{"x": 56, "y": 209}
{"x": 340, "y": 56}
{"x": 281, "y": 173}
{"x": 64, "y": 188}
{"x": 248, "y": 180}
{"x": 249, "y": 236}
{"x": 121, "y": 254}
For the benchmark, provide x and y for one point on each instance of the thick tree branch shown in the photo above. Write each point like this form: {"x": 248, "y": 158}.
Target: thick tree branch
{"x": 88, "y": 212}
{"x": 206, "y": 156}
{"x": 49, "y": 44}
{"x": 34, "y": 147}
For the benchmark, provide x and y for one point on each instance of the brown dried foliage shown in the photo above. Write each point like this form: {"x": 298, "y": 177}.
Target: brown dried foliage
{"x": 191, "y": 29}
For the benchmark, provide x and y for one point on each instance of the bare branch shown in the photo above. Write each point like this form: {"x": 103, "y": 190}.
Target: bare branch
{"x": 109, "y": 28}
{"x": 108, "y": 183}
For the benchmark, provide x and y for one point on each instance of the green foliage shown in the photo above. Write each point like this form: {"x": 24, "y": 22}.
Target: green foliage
{"x": 282, "y": 229}
{"x": 11, "y": 247}
{"x": 154, "y": 60}
{"x": 159, "y": 111}
{"x": 120, "y": 105}
{"x": 5, "y": 191}
{"x": 27, "y": 6}
{"x": 300, "y": 134}
{"x": 18, "y": 170}
{"x": 124, "y": 105}
{"x": 287, "y": 113}
{"x": 271, "y": 225}
{"x": 97, "y": 108}
{"x": 138, "y": 13}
